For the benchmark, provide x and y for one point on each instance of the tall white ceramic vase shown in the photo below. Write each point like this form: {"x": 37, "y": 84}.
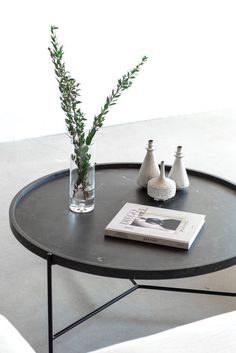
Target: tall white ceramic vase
{"x": 178, "y": 172}
{"x": 149, "y": 168}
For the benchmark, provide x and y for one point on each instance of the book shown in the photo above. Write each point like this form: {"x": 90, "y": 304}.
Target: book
{"x": 156, "y": 225}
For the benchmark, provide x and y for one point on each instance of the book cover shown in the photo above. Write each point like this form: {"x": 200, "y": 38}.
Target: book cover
{"x": 156, "y": 225}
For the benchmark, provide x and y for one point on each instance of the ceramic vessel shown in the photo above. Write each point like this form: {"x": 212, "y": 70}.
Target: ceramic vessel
{"x": 161, "y": 188}
{"x": 178, "y": 172}
{"x": 149, "y": 168}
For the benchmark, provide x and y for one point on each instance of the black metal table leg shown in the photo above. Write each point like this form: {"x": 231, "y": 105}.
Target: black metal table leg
{"x": 49, "y": 288}
{"x": 135, "y": 286}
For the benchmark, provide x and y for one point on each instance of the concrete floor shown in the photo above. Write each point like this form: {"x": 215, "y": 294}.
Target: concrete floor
{"x": 209, "y": 144}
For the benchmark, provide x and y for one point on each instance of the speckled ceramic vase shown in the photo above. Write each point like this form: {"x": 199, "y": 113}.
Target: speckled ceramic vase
{"x": 161, "y": 188}
{"x": 149, "y": 168}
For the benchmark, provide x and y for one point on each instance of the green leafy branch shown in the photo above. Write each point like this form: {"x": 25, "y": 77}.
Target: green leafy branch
{"x": 70, "y": 91}
{"x": 75, "y": 118}
{"x": 124, "y": 83}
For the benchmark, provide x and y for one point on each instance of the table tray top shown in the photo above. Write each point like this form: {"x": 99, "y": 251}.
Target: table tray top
{"x": 41, "y": 220}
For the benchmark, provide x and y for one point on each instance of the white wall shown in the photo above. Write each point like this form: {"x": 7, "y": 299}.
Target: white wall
{"x": 191, "y": 47}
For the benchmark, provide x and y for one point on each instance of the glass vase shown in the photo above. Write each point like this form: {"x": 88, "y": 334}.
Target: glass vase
{"x": 82, "y": 179}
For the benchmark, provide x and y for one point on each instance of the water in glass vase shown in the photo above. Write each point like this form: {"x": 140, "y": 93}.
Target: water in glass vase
{"x": 82, "y": 181}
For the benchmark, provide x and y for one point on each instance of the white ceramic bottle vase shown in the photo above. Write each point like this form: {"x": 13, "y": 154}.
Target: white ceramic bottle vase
{"x": 178, "y": 172}
{"x": 161, "y": 188}
{"x": 149, "y": 168}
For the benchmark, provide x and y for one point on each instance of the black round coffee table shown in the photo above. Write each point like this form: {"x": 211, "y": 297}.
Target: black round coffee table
{"x": 40, "y": 219}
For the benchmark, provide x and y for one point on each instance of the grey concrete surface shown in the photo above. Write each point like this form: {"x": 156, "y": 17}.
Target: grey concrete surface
{"x": 209, "y": 145}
